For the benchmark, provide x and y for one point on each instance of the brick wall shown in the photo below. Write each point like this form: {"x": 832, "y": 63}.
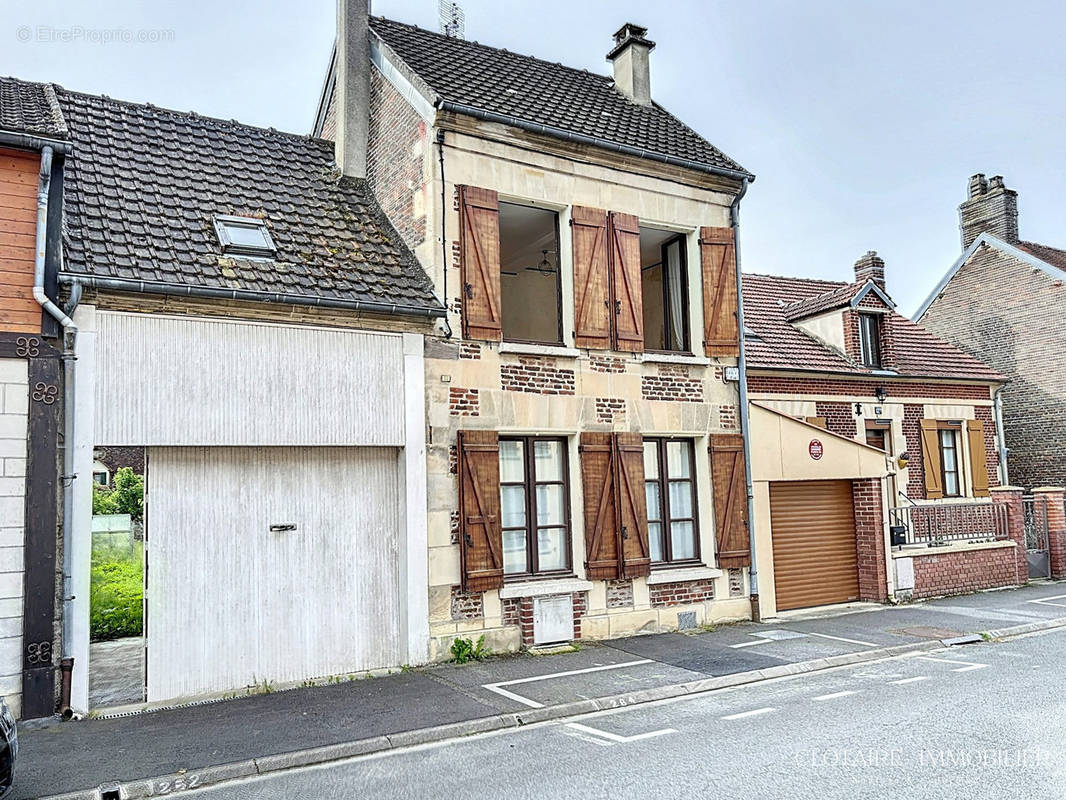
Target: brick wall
{"x": 672, "y": 382}
{"x": 610, "y": 410}
{"x": 467, "y": 605}
{"x": 963, "y": 572}
{"x": 838, "y": 418}
{"x": 681, "y": 593}
{"x": 620, "y": 594}
{"x": 912, "y": 431}
{"x": 519, "y": 611}
{"x": 1010, "y": 316}
{"x": 870, "y": 540}
{"x": 536, "y": 375}
{"x": 463, "y": 402}
{"x": 987, "y": 417}
{"x": 780, "y": 384}
{"x": 606, "y": 364}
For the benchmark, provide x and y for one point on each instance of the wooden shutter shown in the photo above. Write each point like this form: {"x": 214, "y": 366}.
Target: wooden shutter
{"x": 821, "y": 422}
{"x": 721, "y": 336}
{"x": 592, "y": 283}
{"x": 934, "y": 488}
{"x": 975, "y": 431}
{"x": 730, "y": 500}
{"x": 624, "y": 258}
{"x": 479, "y": 256}
{"x": 632, "y": 504}
{"x": 481, "y": 542}
{"x": 601, "y": 528}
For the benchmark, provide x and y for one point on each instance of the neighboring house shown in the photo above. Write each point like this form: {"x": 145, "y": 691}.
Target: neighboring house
{"x": 1003, "y": 301}
{"x": 836, "y": 357}
{"x": 248, "y": 316}
{"x": 585, "y": 458}
{"x": 33, "y": 140}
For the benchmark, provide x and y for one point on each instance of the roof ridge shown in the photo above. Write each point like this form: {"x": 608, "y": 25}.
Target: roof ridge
{"x": 793, "y": 278}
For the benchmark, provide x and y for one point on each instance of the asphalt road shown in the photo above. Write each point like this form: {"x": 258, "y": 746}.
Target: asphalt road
{"x": 986, "y": 720}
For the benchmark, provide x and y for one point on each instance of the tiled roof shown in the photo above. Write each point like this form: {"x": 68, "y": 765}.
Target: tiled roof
{"x": 1049, "y": 255}
{"x": 145, "y": 183}
{"x": 819, "y": 303}
{"x": 779, "y": 344}
{"x": 30, "y": 108}
{"x": 544, "y": 93}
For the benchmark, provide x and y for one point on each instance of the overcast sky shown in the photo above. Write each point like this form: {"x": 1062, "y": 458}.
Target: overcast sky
{"x": 862, "y": 121}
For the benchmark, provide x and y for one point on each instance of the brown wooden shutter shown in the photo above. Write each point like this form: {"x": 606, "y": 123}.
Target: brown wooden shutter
{"x": 601, "y": 529}
{"x": 821, "y": 422}
{"x": 624, "y": 258}
{"x": 934, "y": 488}
{"x": 479, "y": 255}
{"x": 632, "y": 503}
{"x": 481, "y": 542}
{"x": 730, "y": 500}
{"x": 975, "y": 430}
{"x": 721, "y": 336}
{"x": 592, "y": 282}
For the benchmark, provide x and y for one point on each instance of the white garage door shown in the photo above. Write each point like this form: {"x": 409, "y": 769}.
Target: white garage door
{"x": 231, "y": 603}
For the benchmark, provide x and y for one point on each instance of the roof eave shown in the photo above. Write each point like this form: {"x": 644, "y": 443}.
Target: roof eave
{"x": 879, "y": 376}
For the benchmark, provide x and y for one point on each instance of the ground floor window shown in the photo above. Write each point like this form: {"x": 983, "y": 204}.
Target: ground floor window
{"x": 534, "y": 505}
{"x": 669, "y": 484}
{"x": 949, "y": 462}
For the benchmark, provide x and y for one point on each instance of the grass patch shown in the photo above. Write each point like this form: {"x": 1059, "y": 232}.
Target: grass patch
{"x": 116, "y": 593}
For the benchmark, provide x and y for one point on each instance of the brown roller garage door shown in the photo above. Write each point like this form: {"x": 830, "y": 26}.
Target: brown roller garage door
{"x": 813, "y": 530}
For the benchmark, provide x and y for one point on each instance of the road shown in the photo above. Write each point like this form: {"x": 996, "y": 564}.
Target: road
{"x": 984, "y": 720}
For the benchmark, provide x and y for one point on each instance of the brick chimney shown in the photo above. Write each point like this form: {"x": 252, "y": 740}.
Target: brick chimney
{"x": 351, "y": 96}
{"x": 632, "y": 72}
{"x": 989, "y": 207}
{"x": 871, "y": 267}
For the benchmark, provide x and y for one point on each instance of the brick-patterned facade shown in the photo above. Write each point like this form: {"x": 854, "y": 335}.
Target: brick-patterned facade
{"x": 1055, "y": 513}
{"x": 784, "y": 384}
{"x": 962, "y": 572}
{"x": 470, "y": 350}
{"x": 912, "y": 431}
{"x": 467, "y": 605}
{"x": 736, "y": 583}
{"x": 463, "y": 402}
{"x": 838, "y": 418}
{"x": 988, "y": 421}
{"x": 536, "y": 375}
{"x": 610, "y": 410}
{"x": 606, "y": 364}
{"x": 620, "y": 594}
{"x": 870, "y": 540}
{"x": 681, "y": 593}
{"x": 519, "y": 611}
{"x": 727, "y": 417}
{"x": 672, "y": 383}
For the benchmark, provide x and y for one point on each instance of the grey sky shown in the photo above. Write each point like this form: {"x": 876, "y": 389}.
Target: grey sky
{"x": 862, "y": 121}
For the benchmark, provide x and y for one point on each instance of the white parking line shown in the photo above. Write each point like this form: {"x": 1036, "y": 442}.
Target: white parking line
{"x": 497, "y": 687}
{"x": 756, "y": 712}
{"x": 614, "y": 737}
{"x": 840, "y": 639}
{"x": 1047, "y": 601}
{"x": 834, "y": 696}
{"x": 751, "y": 643}
{"x": 910, "y": 680}
{"x": 966, "y": 666}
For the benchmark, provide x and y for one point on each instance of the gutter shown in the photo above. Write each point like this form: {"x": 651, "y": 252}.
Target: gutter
{"x": 29, "y": 142}
{"x": 594, "y": 141}
{"x": 745, "y": 429}
{"x": 148, "y": 287}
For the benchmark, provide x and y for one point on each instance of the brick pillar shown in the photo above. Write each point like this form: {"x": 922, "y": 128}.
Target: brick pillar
{"x": 1011, "y": 497}
{"x": 1053, "y": 496}
{"x": 870, "y": 540}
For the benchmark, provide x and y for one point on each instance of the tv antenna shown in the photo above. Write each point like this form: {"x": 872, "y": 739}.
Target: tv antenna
{"x": 452, "y": 20}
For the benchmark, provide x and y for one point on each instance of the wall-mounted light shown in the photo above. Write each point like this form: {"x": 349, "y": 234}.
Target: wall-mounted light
{"x": 880, "y": 394}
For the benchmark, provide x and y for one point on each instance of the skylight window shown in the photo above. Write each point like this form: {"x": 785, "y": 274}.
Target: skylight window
{"x": 244, "y": 236}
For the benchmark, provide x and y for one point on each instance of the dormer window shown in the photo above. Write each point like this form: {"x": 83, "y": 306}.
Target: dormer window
{"x": 870, "y": 340}
{"x": 244, "y": 236}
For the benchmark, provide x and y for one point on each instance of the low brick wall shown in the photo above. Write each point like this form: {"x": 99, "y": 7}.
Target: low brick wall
{"x": 963, "y": 571}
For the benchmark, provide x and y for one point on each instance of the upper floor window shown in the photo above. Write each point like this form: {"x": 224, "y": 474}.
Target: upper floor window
{"x": 870, "y": 339}
{"x": 244, "y": 236}
{"x": 529, "y": 274}
{"x": 664, "y": 287}
{"x": 669, "y": 485}
{"x": 534, "y": 505}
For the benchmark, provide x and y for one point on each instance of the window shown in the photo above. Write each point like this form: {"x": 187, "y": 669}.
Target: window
{"x": 870, "y": 339}
{"x": 949, "y": 462}
{"x": 529, "y": 274}
{"x": 664, "y": 288}
{"x": 879, "y": 435}
{"x": 244, "y": 236}
{"x": 669, "y": 484}
{"x": 534, "y": 506}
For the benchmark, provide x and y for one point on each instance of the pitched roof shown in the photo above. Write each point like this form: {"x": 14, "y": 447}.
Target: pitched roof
{"x": 145, "y": 184}
{"x": 778, "y": 344}
{"x": 544, "y": 93}
{"x": 30, "y": 108}
{"x": 1049, "y": 255}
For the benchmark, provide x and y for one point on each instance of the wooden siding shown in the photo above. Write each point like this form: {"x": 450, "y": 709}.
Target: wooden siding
{"x": 231, "y": 604}
{"x": 194, "y": 381}
{"x": 19, "y": 170}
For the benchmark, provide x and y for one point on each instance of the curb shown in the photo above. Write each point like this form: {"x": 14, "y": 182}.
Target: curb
{"x": 194, "y": 779}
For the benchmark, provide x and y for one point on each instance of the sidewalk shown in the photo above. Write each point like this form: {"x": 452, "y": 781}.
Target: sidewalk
{"x": 73, "y": 756}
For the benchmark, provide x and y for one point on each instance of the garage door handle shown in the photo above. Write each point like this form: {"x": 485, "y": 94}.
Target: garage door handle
{"x": 283, "y": 527}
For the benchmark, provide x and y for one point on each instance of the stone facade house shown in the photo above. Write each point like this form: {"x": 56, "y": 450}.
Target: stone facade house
{"x": 1003, "y": 301}
{"x": 585, "y": 459}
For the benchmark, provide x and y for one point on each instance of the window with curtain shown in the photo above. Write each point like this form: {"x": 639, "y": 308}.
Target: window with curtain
{"x": 670, "y": 488}
{"x": 949, "y": 462}
{"x": 534, "y": 506}
{"x": 664, "y": 289}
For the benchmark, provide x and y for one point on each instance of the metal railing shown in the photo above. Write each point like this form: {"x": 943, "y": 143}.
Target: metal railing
{"x": 940, "y": 524}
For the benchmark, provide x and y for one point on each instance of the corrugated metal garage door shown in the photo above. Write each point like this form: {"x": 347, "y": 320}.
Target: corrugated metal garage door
{"x": 231, "y": 603}
{"x": 813, "y": 529}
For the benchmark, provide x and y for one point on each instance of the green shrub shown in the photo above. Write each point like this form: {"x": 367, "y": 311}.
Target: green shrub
{"x": 126, "y": 498}
{"x": 464, "y": 650}
{"x": 116, "y": 593}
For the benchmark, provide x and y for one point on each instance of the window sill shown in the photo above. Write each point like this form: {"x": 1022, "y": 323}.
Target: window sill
{"x": 535, "y": 588}
{"x": 674, "y": 358}
{"x": 679, "y": 574}
{"x": 521, "y": 348}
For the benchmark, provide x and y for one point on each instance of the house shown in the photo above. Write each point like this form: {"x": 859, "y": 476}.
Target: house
{"x": 1002, "y": 301}
{"x": 585, "y": 459}
{"x": 241, "y": 310}
{"x": 858, "y": 415}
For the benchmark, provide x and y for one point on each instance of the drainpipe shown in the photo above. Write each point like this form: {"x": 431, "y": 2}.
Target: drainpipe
{"x": 69, "y": 332}
{"x": 745, "y": 430}
{"x": 997, "y": 400}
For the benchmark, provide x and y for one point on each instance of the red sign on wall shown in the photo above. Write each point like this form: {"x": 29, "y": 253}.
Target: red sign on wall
{"x": 815, "y": 449}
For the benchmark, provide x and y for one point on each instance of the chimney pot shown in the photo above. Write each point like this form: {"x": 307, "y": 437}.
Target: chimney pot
{"x": 978, "y": 185}
{"x": 871, "y": 267}
{"x": 990, "y": 207}
{"x": 629, "y": 56}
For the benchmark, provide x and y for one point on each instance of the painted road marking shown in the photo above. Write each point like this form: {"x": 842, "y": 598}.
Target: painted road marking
{"x": 910, "y": 680}
{"x": 752, "y": 643}
{"x": 756, "y": 712}
{"x": 614, "y": 737}
{"x": 497, "y": 687}
{"x": 840, "y": 639}
{"x": 966, "y": 666}
{"x": 1047, "y": 601}
{"x": 834, "y": 696}
{"x": 762, "y": 637}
